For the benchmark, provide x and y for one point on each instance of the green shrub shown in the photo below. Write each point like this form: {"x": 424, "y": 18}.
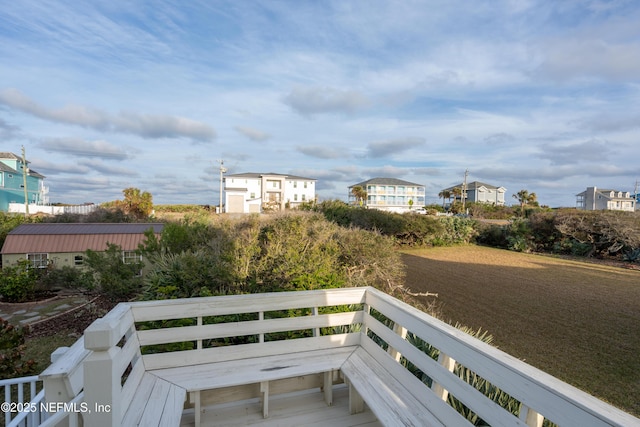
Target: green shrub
{"x": 66, "y": 277}
{"x": 114, "y": 278}
{"x": 292, "y": 251}
{"x": 19, "y": 283}
{"x": 493, "y": 235}
{"x": 12, "y": 351}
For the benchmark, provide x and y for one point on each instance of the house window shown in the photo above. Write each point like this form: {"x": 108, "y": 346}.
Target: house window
{"x": 78, "y": 260}
{"x": 38, "y": 260}
{"x": 305, "y": 184}
{"x": 253, "y": 195}
{"x": 295, "y": 197}
{"x": 295, "y": 184}
{"x": 130, "y": 257}
{"x": 304, "y": 197}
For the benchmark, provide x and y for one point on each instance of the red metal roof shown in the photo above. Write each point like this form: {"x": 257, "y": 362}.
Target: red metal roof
{"x": 61, "y": 238}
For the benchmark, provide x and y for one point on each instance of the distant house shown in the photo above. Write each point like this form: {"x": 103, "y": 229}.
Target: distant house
{"x": 65, "y": 244}
{"x": 390, "y": 194}
{"x": 260, "y": 192}
{"x": 12, "y": 182}
{"x": 594, "y": 199}
{"x": 479, "y": 192}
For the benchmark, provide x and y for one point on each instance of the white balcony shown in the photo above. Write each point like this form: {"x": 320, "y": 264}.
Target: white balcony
{"x": 352, "y": 356}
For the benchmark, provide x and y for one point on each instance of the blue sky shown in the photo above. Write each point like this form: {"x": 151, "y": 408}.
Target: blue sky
{"x": 535, "y": 95}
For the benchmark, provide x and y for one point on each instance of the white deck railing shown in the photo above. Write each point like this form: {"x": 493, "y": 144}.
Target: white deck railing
{"x": 205, "y": 330}
{"x": 23, "y": 408}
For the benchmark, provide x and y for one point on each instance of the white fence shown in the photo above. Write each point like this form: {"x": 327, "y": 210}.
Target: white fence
{"x": 24, "y": 407}
{"x": 52, "y": 210}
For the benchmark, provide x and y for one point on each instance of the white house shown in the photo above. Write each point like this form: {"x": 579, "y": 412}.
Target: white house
{"x": 593, "y": 199}
{"x": 390, "y": 194}
{"x": 480, "y": 192}
{"x": 259, "y": 192}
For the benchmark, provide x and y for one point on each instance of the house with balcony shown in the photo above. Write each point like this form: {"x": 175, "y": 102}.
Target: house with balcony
{"x": 65, "y": 244}
{"x": 264, "y": 192}
{"x": 594, "y": 199}
{"x": 478, "y": 192}
{"x": 12, "y": 179}
{"x": 389, "y": 194}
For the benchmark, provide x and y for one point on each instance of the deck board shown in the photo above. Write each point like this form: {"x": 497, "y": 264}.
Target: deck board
{"x": 295, "y": 409}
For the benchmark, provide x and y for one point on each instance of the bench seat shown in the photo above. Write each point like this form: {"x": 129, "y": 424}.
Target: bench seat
{"x": 156, "y": 403}
{"x": 388, "y": 392}
{"x": 254, "y": 370}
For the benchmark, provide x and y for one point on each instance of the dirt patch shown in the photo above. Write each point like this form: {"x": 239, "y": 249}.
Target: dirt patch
{"x": 577, "y": 321}
{"x": 68, "y": 312}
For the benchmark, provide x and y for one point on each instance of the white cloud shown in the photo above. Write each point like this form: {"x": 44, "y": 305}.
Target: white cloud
{"x": 253, "y": 134}
{"x": 81, "y": 148}
{"x": 315, "y": 100}
{"x": 393, "y": 147}
{"x": 144, "y": 125}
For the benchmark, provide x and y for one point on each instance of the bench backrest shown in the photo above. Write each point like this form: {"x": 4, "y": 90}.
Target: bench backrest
{"x": 241, "y": 326}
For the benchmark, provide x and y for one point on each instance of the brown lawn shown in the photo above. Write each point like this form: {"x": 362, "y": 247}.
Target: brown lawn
{"x": 577, "y": 321}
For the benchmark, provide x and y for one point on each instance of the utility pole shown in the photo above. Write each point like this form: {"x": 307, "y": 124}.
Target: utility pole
{"x": 222, "y": 171}
{"x": 464, "y": 191}
{"x": 25, "y": 172}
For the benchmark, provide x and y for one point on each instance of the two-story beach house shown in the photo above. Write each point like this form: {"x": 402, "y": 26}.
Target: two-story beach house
{"x": 260, "y": 192}
{"x": 594, "y": 199}
{"x": 12, "y": 182}
{"x": 479, "y": 192}
{"x": 389, "y": 194}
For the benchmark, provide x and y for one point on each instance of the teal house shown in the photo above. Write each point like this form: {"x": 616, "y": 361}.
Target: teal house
{"x": 12, "y": 182}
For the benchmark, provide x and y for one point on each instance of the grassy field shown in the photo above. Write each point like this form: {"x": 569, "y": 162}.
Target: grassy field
{"x": 577, "y": 321}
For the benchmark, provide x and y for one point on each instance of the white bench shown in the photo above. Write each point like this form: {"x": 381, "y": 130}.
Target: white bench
{"x": 261, "y": 370}
{"x": 362, "y": 333}
{"x": 156, "y": 402}
{"x": 392, "y": 393}
{"x": 126, "y": 394}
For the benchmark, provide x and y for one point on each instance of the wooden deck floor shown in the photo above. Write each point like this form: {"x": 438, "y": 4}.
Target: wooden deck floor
{"x": 295, "y": 409}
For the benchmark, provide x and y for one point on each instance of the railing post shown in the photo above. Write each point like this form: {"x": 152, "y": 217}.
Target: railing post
{"x": 316, "y": 331}
{"x": 402, "y": 331}
{"x": 448, "y": 363}
{"x": 261, "y": 318}
{"x": 530, "y": 417}
{"x": 102, "y": 381}
{"x": 102, "y": 388}
{"x": 366, "y": 309}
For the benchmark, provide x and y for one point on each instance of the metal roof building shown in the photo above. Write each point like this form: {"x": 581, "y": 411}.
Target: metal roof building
{"x": 57, "y": 241}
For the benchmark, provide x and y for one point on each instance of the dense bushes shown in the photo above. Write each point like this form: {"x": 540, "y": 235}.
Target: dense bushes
{"x": 112, "y": 277}
{"x": 12, "y": 351}
{"x": 571, "y": 232}
{"x": 282, "y": 252}
{"x": 408, "y": 229}
{"x": 19, "y": 283}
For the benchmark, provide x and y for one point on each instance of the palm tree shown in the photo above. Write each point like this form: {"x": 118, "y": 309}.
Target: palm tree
{"x": 525, "y": 198}
{"x": 445, "y": 194}
{"x": 359, "y": 193}
{"x": 457, "y": 193}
